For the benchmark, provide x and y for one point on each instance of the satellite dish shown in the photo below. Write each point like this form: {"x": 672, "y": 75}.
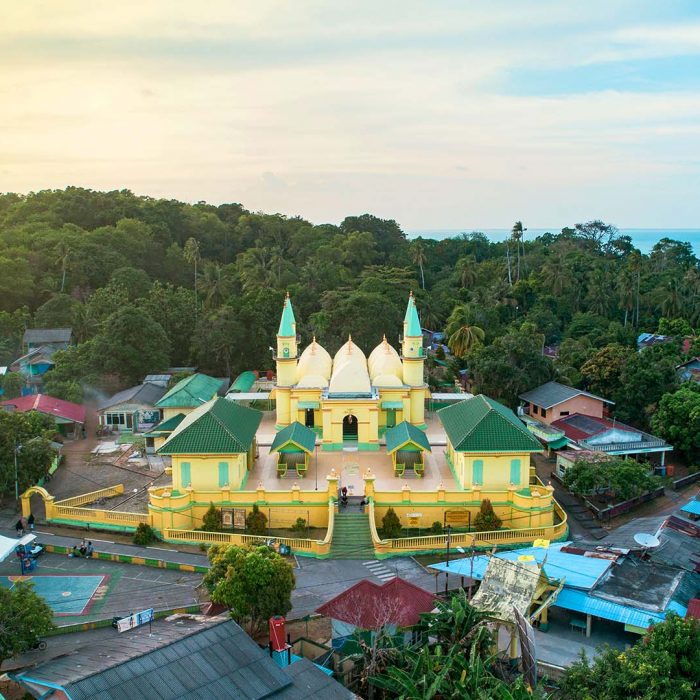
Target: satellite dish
{"x": 646, "y": 540}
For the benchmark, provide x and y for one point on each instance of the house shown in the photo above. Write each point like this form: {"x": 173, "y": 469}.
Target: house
{"x": 487, "y": 446}
{"x": 610, "y": 436}
{"x": 52, "y": 338}
{"x": 34, "y": 365}
{"x": 212, "y": 448}
{"x": 181, "y": 659}
{"x": 132, "y": 409}
{"x": 553, "y": 400}
{"x": 157, "y": 435}
{"x": 567, "y": 458}
{"x": 69, "y": 417}
{"x": 366, "y": 608}
{"x": 188, "y": 394}
{"x": 608, "y": 584}
{"x": 689, "y": 371}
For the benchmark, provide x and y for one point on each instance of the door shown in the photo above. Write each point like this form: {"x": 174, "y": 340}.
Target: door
{"x": 350, "y": 428}
{"x": 390, "y": 417}
{"x": 309, "y": 418}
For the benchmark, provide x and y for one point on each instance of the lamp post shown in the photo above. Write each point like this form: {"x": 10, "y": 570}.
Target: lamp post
{"x": 17, "y": 449}
{"x": 447, "y": 557}
{"x": 316, "y": 460}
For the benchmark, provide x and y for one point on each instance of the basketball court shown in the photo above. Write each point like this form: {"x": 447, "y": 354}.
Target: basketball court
{"x": 65, "y": 594}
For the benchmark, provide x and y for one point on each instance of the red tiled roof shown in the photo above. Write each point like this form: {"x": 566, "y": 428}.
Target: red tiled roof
{"x": 370, "y": 606}
{"x": 575, "y": 433}
{"x": 693, "y": 608}
{"x": 48, "y": 405}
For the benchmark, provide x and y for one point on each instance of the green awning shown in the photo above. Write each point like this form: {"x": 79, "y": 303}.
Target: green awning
{"x": 391, "y": 404}
{"x": 309, "y": 404}
{"x": 558, "y": 443}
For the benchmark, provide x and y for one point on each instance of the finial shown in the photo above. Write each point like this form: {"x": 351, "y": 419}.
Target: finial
{"x": 349, "y": 343}
{"x": 410, "y": 294}
{"x": 287, "y": 297}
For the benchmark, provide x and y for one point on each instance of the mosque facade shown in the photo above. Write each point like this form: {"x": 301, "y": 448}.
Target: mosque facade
{"x": 350, "y": 399}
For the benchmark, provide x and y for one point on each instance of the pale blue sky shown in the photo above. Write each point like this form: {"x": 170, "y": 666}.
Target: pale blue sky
{"x": 438, "y": 114}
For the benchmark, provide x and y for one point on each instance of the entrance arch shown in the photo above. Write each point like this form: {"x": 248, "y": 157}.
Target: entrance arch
{"x": 350, "y": 428}
{"x": 45, "y": 495}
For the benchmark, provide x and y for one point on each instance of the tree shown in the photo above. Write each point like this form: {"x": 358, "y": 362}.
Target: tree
{"x": 614, "y": 478}
{"x": 12, "y": 384}
{"x": 465, "y": 268}
{"x": 136, "y": 282}
{"x": 57, "y": 312}
{"x": 256, "y": 521}
{"x": 211, "y": 522}
{"x": 677, "y": 420}
{"x": 486, "y": 519}
{"x": 132, "y": 345}
{"x": 24, "y": 619}
{"x": 391, "y": 525}
{"x": 461, "y": 335}
{"x": 192, "y": 256}
{"x": 603, "y": 370}
{"x": 516, "y": 234}
{"x": 254, "y": 582}
{"x": 419, "y": 258}
{"x": 663, "y": 665}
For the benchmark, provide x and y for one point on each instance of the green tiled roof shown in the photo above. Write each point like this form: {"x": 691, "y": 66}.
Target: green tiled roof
{"x": 413, "y": 328}
{"x": 220, "y": 427}
{"x": 167, "y": 426}
{"x": 481, "y": 424}
{"x": 191, "y": 391}
{"x": 287, "y": 322}
{"x": 398, "y": 436}
{"x": 297, "y": 433}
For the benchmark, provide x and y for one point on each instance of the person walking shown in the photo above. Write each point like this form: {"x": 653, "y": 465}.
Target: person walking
{"x": 19, "y": 528}
{"x": 30, "y": 521}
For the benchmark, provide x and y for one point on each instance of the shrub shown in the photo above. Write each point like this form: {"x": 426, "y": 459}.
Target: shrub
{"x": 436, "y": 528}
{"x": 391, "y": 525}
{"x": 211, "y": 522}
{"x": 487, "y": 520}
{"x": 299, "y": 525}
{"x": 144, "y": 535}
{"x": 256, "y": 521}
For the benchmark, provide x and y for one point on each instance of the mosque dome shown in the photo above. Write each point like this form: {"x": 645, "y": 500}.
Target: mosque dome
{"x": 386, "y": 380}
{"x": 314, "y": 361}
{"x": 312, "y": 381}
{"x": 349, "y": 371}
{"x": 384, "y": 360}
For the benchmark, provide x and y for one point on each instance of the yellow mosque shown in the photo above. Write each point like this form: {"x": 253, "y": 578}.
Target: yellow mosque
{"x": 350, "y": 399}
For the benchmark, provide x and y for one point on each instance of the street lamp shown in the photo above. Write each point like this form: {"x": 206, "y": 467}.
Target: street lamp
{"x": 18, "y": 447}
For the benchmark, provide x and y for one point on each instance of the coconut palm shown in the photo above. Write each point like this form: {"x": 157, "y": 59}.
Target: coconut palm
{"x": 214, "y": 285}
{"x": 462, "y": 336}
{"x": 62, "y": 257}
{"x": 517, "y": 233}
{"x": 465, "y": 268}
{"x": 419, "y": 257}
{"x": 192, "y": 255}
{"x": 672, "y": 301}
{"x": 555, "y": 274}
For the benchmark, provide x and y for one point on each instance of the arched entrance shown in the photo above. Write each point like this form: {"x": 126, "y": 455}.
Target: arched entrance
{"x": 42, "y": 507}
{"x": 309, "y": 418}
{"x": 350, "y": 428}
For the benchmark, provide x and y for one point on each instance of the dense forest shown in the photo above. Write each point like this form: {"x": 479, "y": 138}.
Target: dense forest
{"x": 150, "y": 283}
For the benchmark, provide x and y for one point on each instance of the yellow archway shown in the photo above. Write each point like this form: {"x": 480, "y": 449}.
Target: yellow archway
{"x": 48, "y": 501}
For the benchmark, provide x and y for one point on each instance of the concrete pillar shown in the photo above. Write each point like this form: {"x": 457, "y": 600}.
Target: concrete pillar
{"x": 295, "y": 493}
{"x": 260, "y": 492}
{"x": 406, "y": 493}
{"x": 369, "y": 484}
{"x": 332, "y": 480}
{"x": 589, "y": 620}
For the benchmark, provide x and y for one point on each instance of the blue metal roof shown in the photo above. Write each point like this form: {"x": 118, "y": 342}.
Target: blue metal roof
{"x": 582, "y": 602}
{"x": 692, "y": 507}
{"x": 579, "y": 571}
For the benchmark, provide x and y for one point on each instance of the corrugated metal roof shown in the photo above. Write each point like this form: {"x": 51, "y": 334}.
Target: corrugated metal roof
{"x": 481, "y": 424}
{"x": 35, "y": 336}
{"x": 145, "y": 394}
{"x": 578, "y": 570}
{"x": 191, "y": 392}
{"x": 554, "y": 393}
{"x": 243, "y": 382}
{"x": 692, "y": 507}
{"x": 580, "y": 601}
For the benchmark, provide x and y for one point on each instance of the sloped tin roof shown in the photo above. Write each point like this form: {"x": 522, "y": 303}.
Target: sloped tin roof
{"x": 554, "y": 393}
{"x": 35, "y": 336}
{"x": 49, "y": 405}
{"x": 218, "y": 427}
{"x": 481, "y": 424}
{"x": 403, "y": 434}
{"x": 299, "y": 434}
{"x": 191, "y": 392}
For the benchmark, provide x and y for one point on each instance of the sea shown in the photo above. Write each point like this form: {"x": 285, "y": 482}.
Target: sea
{"x": 643, "y": 238}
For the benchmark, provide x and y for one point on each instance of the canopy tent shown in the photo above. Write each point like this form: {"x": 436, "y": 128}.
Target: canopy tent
{"x": 293, "y": 444}
{"x": 8, "y": 545}
{"x": 406, "y": 444}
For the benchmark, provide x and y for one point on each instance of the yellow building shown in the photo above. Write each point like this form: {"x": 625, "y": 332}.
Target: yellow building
{"x": 350, "y": 399}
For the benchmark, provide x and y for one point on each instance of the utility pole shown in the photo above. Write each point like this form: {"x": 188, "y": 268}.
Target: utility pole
{"x": 447, "y": 558}
{"x": 16, "y": 473}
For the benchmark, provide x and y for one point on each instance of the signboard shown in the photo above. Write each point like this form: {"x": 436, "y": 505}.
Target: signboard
{"x": 457, "y": 517}
{"x": 528, "y": 649}
{"x": 139, "y": 618}
{"x": 227, "y": 517}
{"x": 239, "y": 518}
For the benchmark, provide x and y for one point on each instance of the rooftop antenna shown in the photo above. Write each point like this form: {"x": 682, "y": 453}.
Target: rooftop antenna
{"x": 646, "y": 541}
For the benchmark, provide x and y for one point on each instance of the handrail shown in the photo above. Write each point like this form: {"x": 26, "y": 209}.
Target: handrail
{"x": 328, "y": 539}
{"x": 376, "y": 540}
{"x": 107, "y": 492}
{"x": 294, "y": 543}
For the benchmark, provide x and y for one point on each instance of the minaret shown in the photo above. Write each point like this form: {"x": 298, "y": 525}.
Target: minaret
{"x": 286, "y": 361}
{"x": 413, "y": 359}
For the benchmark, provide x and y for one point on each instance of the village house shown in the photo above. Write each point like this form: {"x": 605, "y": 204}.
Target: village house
{"x": 69, "y": 417}
{"x": 553, "y": 400}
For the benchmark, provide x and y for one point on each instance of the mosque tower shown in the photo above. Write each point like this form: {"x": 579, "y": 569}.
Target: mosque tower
{"x": 413, "y": 357}
{"x": 286, "y": 361}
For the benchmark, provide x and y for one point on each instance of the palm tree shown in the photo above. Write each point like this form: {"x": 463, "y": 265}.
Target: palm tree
{"x": 517, "y": 235}
{"x": 672, "y": 302}
{"x": 419, "y": 258}
{"x": 465, "y": 268}
{"x": 555, "y": 274}
{"x": 63, "y": 255}
{"x": 214, "y": 285}
{"x": 625, "y": 288}
{"x": 192, "y": 256}
{"x": 462, "y": 336}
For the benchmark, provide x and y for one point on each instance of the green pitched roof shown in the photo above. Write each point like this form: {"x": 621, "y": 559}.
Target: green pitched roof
{"x": 287, "y": 322}
{"x": 191, "y": 392}
{"x": 166, "y": 427}
{"x": 413, "y": 328}
{"x": 403, "y": 433}
{"x": 219, "y": 427}
{"x": 243, "y": 382}
{"x": 481, "y": 424}
{"x": 299, "y": 434}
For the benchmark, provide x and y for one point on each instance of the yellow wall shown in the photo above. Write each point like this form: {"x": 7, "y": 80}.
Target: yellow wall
{"x": 204, "y": 471}
{"x": 366, "y": 413}
{"x": 171, "y": 411}
{"x": 496, "y": 468}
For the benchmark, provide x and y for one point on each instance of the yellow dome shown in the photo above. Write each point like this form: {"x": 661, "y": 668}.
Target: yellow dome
{"x": 384, "y": 380}
{"x": 349, "y": 371}
{"x": 314, "y": 360}
{"x": 312, "y": 381}
{"x": 349, "y": 353}
{"x": 384, "y": 360}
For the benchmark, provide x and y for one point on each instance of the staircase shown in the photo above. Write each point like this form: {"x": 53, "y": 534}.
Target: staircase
{"x": 351, "y": 537}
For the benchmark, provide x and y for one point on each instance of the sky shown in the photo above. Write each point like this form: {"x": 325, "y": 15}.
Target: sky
{"x": 439, "y": 114}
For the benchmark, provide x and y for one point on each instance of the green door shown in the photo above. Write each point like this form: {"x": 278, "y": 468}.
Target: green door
{"x": 390, "y": 417}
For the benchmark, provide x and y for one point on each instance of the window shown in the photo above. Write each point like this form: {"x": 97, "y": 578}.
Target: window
{"x": 223, "y": 474}
{"x": 185, "y": 476}
{"x": 535, "y": 409}
{"x": 544, "y": 413}
{"x": 478, "y": 472}
{"x": 563, "y": 413}
{"x": 514, "y": 471}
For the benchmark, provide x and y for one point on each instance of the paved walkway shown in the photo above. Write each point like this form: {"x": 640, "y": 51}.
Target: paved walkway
{"x": 116, "y": 548}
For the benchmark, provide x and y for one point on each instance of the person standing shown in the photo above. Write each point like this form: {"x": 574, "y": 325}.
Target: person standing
{"x": 30, "y": 521}
{"x": 19, "y": 528}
